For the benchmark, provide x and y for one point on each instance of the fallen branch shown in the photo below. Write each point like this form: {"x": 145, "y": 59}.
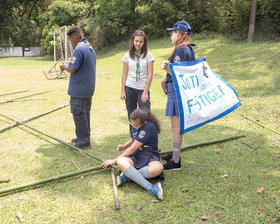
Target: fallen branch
{"x": 32, "y": 118}
{"x": 206, "y": 143}
{"x": 260, "y": 124}
{"x": 47, "y": 180}
{"x": 5, "y": 181}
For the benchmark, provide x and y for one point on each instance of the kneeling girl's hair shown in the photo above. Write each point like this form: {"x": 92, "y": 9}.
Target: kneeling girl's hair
{"x": 143, "y": 115}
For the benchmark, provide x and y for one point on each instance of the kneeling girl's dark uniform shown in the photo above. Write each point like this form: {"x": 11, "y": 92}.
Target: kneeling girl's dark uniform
{"x": 148, "y": 135}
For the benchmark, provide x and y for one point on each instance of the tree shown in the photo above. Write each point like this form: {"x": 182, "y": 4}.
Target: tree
{"x": 61, "y": 13}
{"x": 112, "y": 22}
{"x": 156, "y": 16}
{"x": 268, "y": 19}
{"x": 20, "y": 22}
{"x": 6, "y": 23}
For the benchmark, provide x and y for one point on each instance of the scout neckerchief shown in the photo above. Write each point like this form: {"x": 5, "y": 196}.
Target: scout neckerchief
{"x": 85, "y": 42}
{"x": 138, "y": 65}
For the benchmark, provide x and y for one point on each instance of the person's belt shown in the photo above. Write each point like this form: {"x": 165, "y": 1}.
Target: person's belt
{"x": 144, "y": 148}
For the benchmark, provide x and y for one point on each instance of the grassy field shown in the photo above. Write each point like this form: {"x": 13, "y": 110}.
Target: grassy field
{"x": 197, "y": 190}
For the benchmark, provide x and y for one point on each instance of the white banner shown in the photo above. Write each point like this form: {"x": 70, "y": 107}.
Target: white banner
{"x": 202, "y": 95}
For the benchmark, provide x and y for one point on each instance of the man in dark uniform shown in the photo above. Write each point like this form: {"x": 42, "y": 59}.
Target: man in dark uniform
{"x": 82, "y": 67}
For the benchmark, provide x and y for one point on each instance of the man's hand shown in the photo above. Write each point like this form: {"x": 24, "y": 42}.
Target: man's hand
{"x": 62, "y": 68}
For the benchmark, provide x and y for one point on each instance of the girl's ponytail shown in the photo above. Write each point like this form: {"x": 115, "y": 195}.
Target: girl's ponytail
{"x": 153, "y": 118}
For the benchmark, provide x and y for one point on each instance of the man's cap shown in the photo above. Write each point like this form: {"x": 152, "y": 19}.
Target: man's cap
{"x": 181, "y": 25}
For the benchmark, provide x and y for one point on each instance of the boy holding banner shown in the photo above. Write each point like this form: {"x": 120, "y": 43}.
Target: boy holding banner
{"x": 180, "y": 37}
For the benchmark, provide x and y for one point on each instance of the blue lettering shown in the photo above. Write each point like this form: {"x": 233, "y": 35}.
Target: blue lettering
{"x": 217, "y": 93}
{"x": 200, "y": 97}
{"x": 190, "y": 105}
{"x": 197, "y": 82}
{"x": 214, "y": 97}
{"x": 192, "y": 80}
{"x": 221, "y": 89}
{"x": 181, "y": 76}
{"x": 186, "y": 82}
{"x": 207, "y": 98}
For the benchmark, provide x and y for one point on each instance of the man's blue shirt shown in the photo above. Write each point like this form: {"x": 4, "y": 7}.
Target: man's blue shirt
{"x": 82, "y": 82}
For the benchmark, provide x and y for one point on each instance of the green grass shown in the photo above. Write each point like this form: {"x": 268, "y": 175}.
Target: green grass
{"x": 251, "y": 68}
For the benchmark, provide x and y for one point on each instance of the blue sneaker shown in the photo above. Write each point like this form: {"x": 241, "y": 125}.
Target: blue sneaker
{"x": 156, "y": 190}
{"x": 122, "y": 179}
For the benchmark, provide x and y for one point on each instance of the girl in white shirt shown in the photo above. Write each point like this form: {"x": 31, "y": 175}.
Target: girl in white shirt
{"x": 137, "y": 74}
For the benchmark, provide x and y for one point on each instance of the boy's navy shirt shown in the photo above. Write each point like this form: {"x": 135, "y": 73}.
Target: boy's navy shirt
{"x": 182, "y": 53}
{"x": 147, "y": 134}
{"x": 82, "y": 82}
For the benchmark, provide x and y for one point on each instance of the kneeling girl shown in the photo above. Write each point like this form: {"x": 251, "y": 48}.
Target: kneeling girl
{"x": 140, "y": 161}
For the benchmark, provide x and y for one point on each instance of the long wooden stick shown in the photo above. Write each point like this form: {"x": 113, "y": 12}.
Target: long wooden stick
{"x": 205, "y": 143}
{"x": 47, "y": 180}
{"x": 5, "y": 94}
{"x": 116, "y": 196}
{"x": 260, "y": 124}
{"x": 12, "y": 100}
{"x": 32, "y": 118}
{"x": 58, "y": 140}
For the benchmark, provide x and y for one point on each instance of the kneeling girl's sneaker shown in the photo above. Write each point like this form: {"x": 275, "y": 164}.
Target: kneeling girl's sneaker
{"x": 156, "y": 190}
{"x": 122, "y": 179}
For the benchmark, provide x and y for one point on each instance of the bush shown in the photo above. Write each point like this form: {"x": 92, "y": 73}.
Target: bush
{"x": 113, "y": 22}
{"x": 156, "y": 17}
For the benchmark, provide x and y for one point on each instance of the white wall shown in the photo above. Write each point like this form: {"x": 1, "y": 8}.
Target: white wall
{"x": 18, "y": 52}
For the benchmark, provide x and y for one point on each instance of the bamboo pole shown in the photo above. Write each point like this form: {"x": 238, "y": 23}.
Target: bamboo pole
{"x": 5, "y": 181}
{"x": 260, "y": 124}
{"x": 206, "y": 143}
{"x": 5, "y": 94}
{"x": 32, "y": 118}
{"x": 58, "y": 140}
{"x": 28, "y": 99}
{"x": 47, "y": 180}
{"x": 12, "y": 100}
{"x": 116, "y": 196}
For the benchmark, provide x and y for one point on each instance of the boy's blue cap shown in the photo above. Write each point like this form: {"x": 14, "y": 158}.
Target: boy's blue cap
{"x": 181, "y": 25}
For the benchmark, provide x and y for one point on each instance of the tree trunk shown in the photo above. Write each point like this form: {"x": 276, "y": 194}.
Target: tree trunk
{"x": 252, "y": 21}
